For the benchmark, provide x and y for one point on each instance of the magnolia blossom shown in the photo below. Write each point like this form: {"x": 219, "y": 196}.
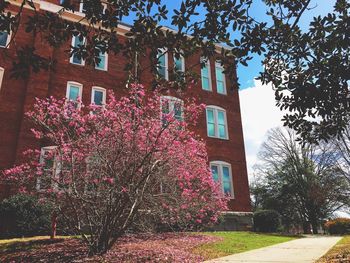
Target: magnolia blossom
{"x": 119, "y": 167}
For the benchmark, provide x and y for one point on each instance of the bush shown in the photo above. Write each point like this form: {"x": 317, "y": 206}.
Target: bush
{"x": 266, "y": 221}
{"x": 338, "y": 226}
{"x": 23, "y": 215}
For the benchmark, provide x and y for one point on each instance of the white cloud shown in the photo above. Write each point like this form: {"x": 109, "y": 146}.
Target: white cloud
{"x": 259, "y": 114}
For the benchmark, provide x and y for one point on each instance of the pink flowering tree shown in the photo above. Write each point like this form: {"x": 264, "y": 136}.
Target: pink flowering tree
{"x": 126, "y": 164}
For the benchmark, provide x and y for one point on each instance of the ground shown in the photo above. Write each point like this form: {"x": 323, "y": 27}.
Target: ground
{"x": 340, "y": 253}
{"x": 168, "y": 247}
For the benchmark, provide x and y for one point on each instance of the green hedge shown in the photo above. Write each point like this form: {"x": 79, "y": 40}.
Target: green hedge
{"x": 267, "y": 221}
{"x": 338, "y": 226}
{"x": 23, "y": 215}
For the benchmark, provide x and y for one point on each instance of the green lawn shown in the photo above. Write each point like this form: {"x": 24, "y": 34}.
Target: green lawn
{"x": 236, "y": 242}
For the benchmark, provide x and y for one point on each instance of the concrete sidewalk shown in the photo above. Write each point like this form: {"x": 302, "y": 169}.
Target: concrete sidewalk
{"x": 303, "y": 250}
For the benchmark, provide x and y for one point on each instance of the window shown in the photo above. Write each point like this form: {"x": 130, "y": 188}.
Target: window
{"x": 171, "y": 105}
{"x": 220, "y": 78}
{"x": 82, "y": 8}
{"x": 76, "y": 43}
{"x": 51, "y": 168}
{"x": 2, "y": 71}
{"x": 216, "y": 122}
{"x": 162, "y": 58}
{"x": 179, "y": 63}
{"x": 205, "y": 73}
{"x": 222, "y": 174}
{"x": 4, "y": 38}
{"x": 98, "y": 96}
{"x": 74, "y": 91}
{"x": 102, "y": 65}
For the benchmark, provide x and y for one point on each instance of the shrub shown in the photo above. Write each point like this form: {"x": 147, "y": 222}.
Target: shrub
{"x": 338, "y": 226}
{"x": 266, "y": 221}
{"x": 24, "y": 215}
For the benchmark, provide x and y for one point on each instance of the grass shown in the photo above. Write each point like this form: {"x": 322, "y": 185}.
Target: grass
{"x": 237, "y": 242}
{"x": 339, "y": 253}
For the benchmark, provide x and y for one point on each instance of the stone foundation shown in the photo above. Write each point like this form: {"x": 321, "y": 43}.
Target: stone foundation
{"x": 235, "y": 221}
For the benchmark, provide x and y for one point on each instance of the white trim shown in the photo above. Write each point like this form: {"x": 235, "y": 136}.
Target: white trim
{"x": 81, "y": 7}
{"x": 72, "y": 56}
{"x": 166, "y": 66}
{"x": 2, "y": 72}
{"x": 220, "y": 165}
{"x": 216, "y": 109}
{"x": 218, "y": 65}
{"x": 106, "y": 63}
{"x": 207, "y": 64}
{"x": 96, "y": 88}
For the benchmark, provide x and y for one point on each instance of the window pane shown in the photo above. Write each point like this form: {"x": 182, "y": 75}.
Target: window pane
{"x": 178, "y": 64}
{"x": 211, "y": 129}
{"x": 227, "y": 188}
{"x": 77, "y": 43}
{"x": 73, "y": 92}
{"x": 205, "y": 72}
{"x": 102, "y": 63}
{"x": 226, "y": 174}
{"x": 220, "y": 87}
{"x": 178, "y": 111}
{"x": 3, "y": 39}
{"x": 165, "y": 106}
{"x": 98, "y": 97}
{"x": 221, "y": 118}
{"x": 161, "y": 72}
{"x": 210, "y": 115}
{"x": 222, "y": 131}
{"x": 205, "y": 83}
{"x": 161, "y": 59}
{"x": 215, "y": 173}
{"x": 219, "y": 74}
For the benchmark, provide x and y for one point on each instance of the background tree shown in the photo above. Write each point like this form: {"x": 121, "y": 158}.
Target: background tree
{"x": 302, "y": 182}
{"x": 117, "y": 166}
{"x": 308, "y": 69}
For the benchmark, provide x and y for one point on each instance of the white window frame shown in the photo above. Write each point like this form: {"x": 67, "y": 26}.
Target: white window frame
{"x": 216, "y": 109}
{"x": 171, "y": 100}
{"x": 221, "y": 67}
{"x": 71, "y": 58}
{"x": 69, "y": 83}
{"x": 2, "y": 73}
{"x": 81, "y": 7}
{"x": 56, "y": 169}
{"x": 7, "y": 40}
{"x": 106, "y": 63}
{"x": 207, "y": 63}
{"x": 164, "y": 51}
{"x": 220, "y": 165}
{"x": 96, "y": 88}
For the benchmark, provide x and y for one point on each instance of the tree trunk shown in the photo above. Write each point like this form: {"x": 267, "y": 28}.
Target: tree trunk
{"x": 53, "y": 224}
{"x": 314, "y": 227}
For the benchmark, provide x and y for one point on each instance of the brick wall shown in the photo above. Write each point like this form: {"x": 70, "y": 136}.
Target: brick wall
{"x": 17, "y": 97}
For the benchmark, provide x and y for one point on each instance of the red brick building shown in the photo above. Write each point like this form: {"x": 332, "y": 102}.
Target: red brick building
{"x": 220, "y": 125}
